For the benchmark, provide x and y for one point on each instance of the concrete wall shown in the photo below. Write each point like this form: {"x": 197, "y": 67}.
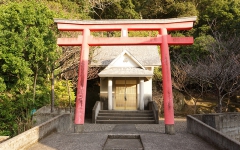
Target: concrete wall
{"x": 227, "y": 123}
{"x": 3, "y": 138}
{"x": 230, "y": 125}
{"x": 210, "y": 134}
{"x": 44, "y": 114}
{"x": 61, "y": 123}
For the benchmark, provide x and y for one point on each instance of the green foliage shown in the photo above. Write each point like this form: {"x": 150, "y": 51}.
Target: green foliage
{"x": 2, "y": 85}
{"x": 221, "y": 15}
{"x": 71, "y": 9}
{"x": 8, "y": 125}
{"x": 142, "y": 33}
{"x": 26, "y": 41}
{"x": 123, "y": 9}
{"x": 157, "y": 74}
{"x": 42, "y": 95}
{"x": 27, "y": 48}
{"x": 62, "y": 95}
{"x": 195, "y": 51}
{"x": 15, "y": 114}
{"x": 159, "y": 9}
{"x": 181, "y": 9}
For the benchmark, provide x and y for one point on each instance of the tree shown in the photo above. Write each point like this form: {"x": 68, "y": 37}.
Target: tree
{"x": 190, "y": 85}
{"x": 97, "y": 7}
{"x": 65, "y": 97}
{"x": 68, "y": 64}
{"x": 118, "y": 9}
{"x": 223, "y": 14}
{"x": 160, "y": 9}
{"x": 219, "y": 68}
{"x": 27, "y": 49}
{"x": 71, "y": 9}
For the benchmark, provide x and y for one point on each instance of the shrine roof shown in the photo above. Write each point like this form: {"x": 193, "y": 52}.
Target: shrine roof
{"x": 127, "y": 21}
{"x": 146, "y": 55}
{"x": 125, "y": 72}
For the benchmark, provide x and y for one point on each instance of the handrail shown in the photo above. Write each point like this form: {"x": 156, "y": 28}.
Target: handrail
{"x": 153, "y": 106}
{"x": 97, "y": 107}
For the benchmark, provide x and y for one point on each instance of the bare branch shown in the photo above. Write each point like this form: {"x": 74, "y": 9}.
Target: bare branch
{"x": 220, "y": 68}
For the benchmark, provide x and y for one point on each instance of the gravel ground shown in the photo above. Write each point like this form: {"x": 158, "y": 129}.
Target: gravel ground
{"x": 152, "y": 136}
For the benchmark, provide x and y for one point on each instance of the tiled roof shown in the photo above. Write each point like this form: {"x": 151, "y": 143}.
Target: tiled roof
{"x": 146, "y": 55}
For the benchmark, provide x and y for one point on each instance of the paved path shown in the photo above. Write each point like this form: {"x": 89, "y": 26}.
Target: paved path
{"x": 152, "y": 136}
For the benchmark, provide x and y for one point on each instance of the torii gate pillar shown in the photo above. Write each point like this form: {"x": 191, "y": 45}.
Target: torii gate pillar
{"x": 167, "y": 84}
{"x": 82, "y": 79}
{"x": 163, "y": 39}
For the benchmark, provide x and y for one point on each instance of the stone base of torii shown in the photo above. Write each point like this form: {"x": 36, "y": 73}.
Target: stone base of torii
{"x": 124, "y": 25}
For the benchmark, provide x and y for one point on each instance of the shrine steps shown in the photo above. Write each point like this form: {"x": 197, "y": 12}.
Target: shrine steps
{"x": 125, "y": 117}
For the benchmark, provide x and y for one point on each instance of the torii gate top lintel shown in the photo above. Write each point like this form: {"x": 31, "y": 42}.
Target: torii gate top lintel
{"x": 184, "y": 23}
{"x": 128, "y": 21}
{"x": 163, "y": 39}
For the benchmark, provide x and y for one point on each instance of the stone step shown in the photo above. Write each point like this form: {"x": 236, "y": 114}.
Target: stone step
{"x": 125, "y": 121}
{"x": 123, "y": 118}
{"x": 127, "y": 111}
{"x": 126, "y": 114}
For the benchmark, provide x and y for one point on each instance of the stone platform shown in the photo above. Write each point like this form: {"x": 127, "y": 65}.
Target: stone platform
{"x": 152, "y": 136}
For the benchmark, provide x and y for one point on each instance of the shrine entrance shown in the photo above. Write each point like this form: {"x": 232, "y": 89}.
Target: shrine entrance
{"x": 126, "y": 95}
{"x": 163, "y": 39}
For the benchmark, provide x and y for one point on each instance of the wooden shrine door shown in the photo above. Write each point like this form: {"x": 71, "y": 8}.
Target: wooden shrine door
{"x": 126, "y": 95}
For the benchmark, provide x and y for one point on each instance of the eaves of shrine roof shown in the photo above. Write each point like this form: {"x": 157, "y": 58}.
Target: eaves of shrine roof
{"x": 146, "y": 55}
{"x": 125, "y": 72}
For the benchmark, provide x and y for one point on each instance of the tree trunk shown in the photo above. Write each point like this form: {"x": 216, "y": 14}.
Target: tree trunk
{"x": 228, "y": 102}
{"x": 34, "y": 85}
{"x": 52, "y": 90}
{"x": 219, "y": 102}
{"x": 195, "y": 105}
{"x": 69, "y": 96}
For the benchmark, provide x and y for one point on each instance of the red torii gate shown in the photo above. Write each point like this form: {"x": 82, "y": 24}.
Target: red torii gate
{"x": 163, "y": 39}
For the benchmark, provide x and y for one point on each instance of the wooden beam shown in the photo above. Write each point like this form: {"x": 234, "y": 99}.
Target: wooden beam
{"x": 118, "y": 27}
{"x": 179, "y": 40}
{"x": 70, "y": 41}
{"x": 125, "y": 41}
{"x": 118, "y": 41}
{"x": 128, "y": 21}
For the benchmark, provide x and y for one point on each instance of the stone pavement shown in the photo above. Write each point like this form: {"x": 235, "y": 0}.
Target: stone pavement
{"x": 94, "y": 137}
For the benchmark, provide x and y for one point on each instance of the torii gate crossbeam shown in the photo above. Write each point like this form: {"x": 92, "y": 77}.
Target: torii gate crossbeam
{"x": 163, "y": 39}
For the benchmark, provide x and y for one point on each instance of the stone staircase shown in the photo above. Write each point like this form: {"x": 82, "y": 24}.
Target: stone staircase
{"x": 125, "y": 117}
